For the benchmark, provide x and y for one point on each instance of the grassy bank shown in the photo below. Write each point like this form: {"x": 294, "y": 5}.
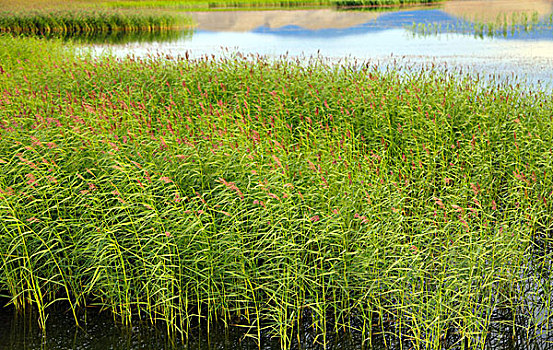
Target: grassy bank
{"x": 87, "y": 22}
{"x": 377, "y": 3}
{"x": 81, "y": 17}
{"x": 267, "y": 195}
{"x": 202, "y": 5}
{"x": 189, "y": 5}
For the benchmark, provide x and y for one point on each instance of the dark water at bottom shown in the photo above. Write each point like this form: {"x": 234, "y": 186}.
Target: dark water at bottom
{"x": 99, "y": 331}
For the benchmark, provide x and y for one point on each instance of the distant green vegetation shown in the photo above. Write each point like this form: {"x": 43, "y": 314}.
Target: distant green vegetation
{"x": 270, "y": 194}
{"x": 87, "y": 22}
{"x": 74, "y": 18}
{"x": 221, "y": 4}
{"x": 217, "y": 4}
{"x": 353, "y": 3}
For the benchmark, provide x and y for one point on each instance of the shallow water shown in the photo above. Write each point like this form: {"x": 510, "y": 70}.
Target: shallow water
{"x": 500, "y": 37}
{"x": 98, "y": 331}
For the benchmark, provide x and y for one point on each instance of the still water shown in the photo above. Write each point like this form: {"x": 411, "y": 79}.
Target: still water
{"x": 499, "y": 37}
{"x": 99, "y": 331}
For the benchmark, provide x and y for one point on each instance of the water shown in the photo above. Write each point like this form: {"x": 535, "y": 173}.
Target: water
{"x": 98, "y": 331}
{"x": 497, "y": 37}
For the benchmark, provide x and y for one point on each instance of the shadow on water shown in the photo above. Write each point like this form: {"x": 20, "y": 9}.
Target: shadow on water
{"x": 99, "y": 331}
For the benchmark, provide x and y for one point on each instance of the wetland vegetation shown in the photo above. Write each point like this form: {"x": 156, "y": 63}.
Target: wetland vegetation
{"x": 255, "y": 4}
{"x": 265, "y": 194}
{"x": 276, "y": 196}
{"x": 86, "y": 22}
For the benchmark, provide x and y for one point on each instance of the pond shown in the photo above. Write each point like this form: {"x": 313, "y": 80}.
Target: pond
{"x": 499, "y": 37}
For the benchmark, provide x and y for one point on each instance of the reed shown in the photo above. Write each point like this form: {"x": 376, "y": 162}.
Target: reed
{"x": 87, "y": 22}
{"x": 272, "y": 194}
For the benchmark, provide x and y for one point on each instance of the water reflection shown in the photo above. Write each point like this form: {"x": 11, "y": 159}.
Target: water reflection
{"x": 122, "y": 37}
{"x": 498, "y": 37}
{"x": 98, "y": 331}
{"x": 310, "y": 20}
{"x": 417, "y": 36}
{"x": 491, "y": 10}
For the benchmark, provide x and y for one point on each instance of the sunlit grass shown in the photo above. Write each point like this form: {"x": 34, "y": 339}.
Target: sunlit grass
{"x": 88, "y": 22}
{"x": 269, "y": 194}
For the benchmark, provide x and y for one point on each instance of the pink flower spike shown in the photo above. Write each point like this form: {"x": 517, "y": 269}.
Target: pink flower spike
{"x": 315, "y": 218}
{"x": 439, "y": 202}
{"x": 167, "y": 234}
{"x": 166, "y": 179}
{"x": 31, "y": 179}
{"x": 9, "y": 191}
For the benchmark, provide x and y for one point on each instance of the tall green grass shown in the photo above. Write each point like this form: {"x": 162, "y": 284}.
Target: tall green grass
{"x": 271, "y": 194}
{"x": 87, "y": 22}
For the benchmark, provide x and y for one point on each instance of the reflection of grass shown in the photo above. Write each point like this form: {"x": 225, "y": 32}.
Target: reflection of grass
{"x": 270, "y": 194}
{"x": 502, "y": 26}
{"x": 86, "y": 22}
{"x": 122, "y": 37}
